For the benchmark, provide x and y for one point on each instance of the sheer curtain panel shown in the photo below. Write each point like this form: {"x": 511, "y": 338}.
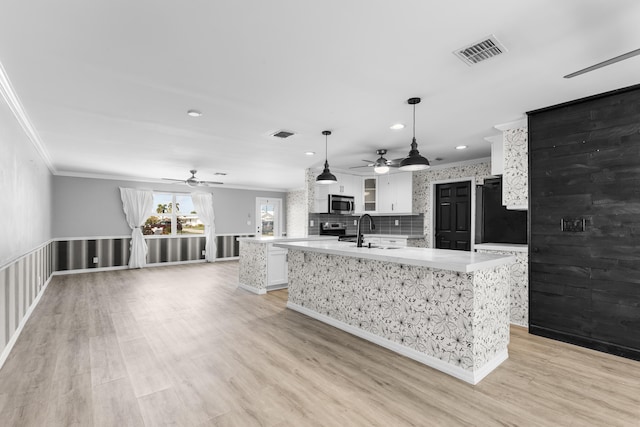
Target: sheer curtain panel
{"x": 137, "y": 205}
{"x": 203, "y": 202}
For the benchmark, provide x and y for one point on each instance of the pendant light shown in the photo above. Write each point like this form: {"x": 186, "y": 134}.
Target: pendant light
{"x": 326, "y": 177}
{"x": 414, "y": 161}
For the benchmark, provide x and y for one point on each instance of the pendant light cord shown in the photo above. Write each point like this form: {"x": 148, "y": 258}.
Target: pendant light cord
{"x": 414, "y": 121}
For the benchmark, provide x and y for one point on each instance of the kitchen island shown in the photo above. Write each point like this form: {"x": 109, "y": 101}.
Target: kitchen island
{"x": 262, "y": 266}
{"x": 446, "y": 309}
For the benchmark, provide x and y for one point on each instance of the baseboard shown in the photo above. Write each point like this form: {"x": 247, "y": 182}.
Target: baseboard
{"x": 252, "y": 289}
{"x": 605, "y": 347}
{"x": 276, "y": 287}
{"x": 16, "y": 334}
{"x": 88, "y": 270}
{"x": 472, "y": 377}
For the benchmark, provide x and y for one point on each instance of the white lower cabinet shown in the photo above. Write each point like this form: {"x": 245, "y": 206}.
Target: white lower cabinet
{"x": 385, "y": 241}
{"x": 277, "y": 268}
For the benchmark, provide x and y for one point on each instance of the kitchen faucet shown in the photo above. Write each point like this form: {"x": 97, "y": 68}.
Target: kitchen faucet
{"x": 372, "y": 227}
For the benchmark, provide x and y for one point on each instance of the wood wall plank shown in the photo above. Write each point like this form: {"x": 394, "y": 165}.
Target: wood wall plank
{"x": 585, "y": 164}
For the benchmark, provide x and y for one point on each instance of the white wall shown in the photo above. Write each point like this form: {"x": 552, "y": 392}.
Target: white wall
{"x": 25, "y": 191}
{"x": 88, "y": 207}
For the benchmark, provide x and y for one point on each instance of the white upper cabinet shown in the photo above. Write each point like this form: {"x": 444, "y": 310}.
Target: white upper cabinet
{"x": 348, "y": 185}
{"x": 379, "y": 194}
{"x": 395, "y": 193}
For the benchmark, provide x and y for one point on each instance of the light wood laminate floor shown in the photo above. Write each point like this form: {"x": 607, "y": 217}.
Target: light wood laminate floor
{"x": 181, "y": 345}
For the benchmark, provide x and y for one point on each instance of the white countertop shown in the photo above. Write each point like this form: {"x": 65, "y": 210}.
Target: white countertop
{"x": 444, "y": 259}
{"x": 508, "y": 247}
{"x": 261, "y": 239}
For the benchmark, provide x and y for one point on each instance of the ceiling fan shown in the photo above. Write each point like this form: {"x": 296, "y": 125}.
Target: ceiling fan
{"x": 192, "y": 181}
{"x": 381, "y": 165}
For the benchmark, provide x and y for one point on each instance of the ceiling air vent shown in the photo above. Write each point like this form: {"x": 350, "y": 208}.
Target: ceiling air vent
{"x": 282, "y": 134}
{"x": 480, "y": 51}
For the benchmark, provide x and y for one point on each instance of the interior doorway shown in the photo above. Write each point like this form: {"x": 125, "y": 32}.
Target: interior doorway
{"x": 453, "y": 216}
{"x": 268, "y": 217}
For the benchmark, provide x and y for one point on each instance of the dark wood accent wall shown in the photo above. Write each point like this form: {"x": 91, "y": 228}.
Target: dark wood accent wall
{"x": 584, "y": 260}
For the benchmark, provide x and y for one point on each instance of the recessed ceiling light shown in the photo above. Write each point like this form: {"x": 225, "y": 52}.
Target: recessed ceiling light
{"x": 194, "y": 113}
{"x": 461, "y": 147}
{"x": 397, "y": 126}
{"x": 309, "y": 153}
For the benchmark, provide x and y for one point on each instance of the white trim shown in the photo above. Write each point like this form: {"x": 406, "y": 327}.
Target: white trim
{"x": 252, "y": 289}
{"x": 17, "y": 258}
{"x": 518, "y": 207}
{"x": 88, "y": 270}
{"x": 472, "y": 377}
{"x": 276, "y": 287}
{"x": 70, "y": 239}
{"x": 73, "y": 174}
{"x": 14, "y": 338}
{"x": 12, "y": 100}
{"x": 516, "y": 124}
{"x": 457, "y": 164}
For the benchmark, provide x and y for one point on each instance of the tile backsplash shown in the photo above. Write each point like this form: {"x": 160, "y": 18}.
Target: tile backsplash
{"x": 385, "y": 224}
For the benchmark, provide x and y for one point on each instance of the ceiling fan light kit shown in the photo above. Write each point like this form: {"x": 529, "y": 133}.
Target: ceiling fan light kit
{"x": 414, "y": 161}
{"x": 326, "y": 177}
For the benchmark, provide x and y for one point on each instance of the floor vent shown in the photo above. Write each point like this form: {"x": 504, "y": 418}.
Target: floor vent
{"x": 283, "y": 134}
{"x": 480, "y": 51}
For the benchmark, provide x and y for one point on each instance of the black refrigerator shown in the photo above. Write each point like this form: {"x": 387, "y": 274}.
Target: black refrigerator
{"x": 494, "y": 222}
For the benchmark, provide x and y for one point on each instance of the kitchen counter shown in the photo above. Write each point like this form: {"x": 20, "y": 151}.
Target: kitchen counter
{"x": 395, "y": 236}
{"x": 263, "y": 267}
{"x": 459, "y": 261}
{"x": 505, "y": 247}
{"x": 265, "y": 240}
{"x": 446, "y": 309}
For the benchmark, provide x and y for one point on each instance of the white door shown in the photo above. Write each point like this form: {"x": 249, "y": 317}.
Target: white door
{"x": 268, "y": 216}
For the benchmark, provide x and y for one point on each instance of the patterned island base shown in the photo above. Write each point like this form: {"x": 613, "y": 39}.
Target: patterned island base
{"x": 455, "y": 322}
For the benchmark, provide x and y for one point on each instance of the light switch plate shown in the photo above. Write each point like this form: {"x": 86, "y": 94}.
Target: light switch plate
{"x": 397, "y": 222}
{"x": 355, "y": 222}
{"x": 95, "y": 259}
{"x": 311, "y": 223}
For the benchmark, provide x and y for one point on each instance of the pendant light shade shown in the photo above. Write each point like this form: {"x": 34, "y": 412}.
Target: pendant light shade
{"x": 414, "y": 161}
{"x": 326, "y": 177}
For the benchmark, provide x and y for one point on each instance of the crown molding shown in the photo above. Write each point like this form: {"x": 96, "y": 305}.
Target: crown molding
{"x": 516, "y": 124}
{"x": 12, "y": 100}
{"x": 71, "y": 174}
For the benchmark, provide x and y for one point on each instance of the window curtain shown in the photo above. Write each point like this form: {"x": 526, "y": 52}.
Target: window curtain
{"x": 137, "y": 205}
{"x": 203, "y": 202}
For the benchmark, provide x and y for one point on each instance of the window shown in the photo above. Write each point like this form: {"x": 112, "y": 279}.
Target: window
{"x": 172, "y": 215}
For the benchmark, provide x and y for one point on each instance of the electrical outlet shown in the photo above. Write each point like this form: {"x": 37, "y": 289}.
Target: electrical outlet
{"x": 355, "y": 222}
{"x": 248, "y": 222}
{"x": 204, "y": 252}
{"x": 311, "y": 223}
{"x": 397, "y": 222}
{"x": 95, "y": 259}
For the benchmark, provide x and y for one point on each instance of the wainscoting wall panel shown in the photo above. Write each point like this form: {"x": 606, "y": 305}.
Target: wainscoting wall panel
{"x": 21, "y": 283}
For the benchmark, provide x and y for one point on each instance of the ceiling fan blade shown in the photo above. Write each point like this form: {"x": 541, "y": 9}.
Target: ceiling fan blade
{"x": 358, "y": 167}
{"x": 211, "y": 182}
{"x": 604, "y": 63}
{"x": 369, "y": 161}
{"x": 174, "y": 180}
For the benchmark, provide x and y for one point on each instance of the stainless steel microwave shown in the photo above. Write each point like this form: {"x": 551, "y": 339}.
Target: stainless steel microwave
{"x": 339, "y": 204}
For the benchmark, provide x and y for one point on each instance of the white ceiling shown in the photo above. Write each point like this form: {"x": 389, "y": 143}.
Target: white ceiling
{"x": 107, "y": 84}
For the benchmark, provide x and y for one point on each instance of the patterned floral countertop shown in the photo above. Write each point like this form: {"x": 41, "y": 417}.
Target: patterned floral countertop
{"x": 461, "y": 261}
